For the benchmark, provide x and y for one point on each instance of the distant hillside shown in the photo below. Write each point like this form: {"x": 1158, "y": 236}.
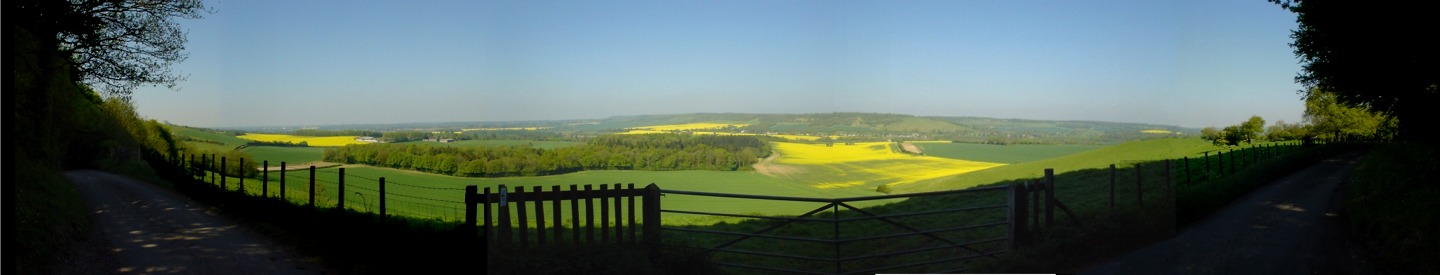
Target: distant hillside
{"x": 847, "y": 126}
{"x": 873, "y": 126}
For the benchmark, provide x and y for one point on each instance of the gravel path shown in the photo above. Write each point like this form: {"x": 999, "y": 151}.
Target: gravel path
{"x": 140, "y": 228}
{"x": 1286, "y": 227}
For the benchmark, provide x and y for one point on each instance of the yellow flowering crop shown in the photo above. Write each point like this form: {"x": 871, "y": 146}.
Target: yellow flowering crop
{"x": 312, "y": 141}
{"x": 866, "y": 164}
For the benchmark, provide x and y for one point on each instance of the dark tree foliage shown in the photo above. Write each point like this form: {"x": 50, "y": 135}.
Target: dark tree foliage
{"x": 662, "y": 152}
{"x": 1375, "y": 55}
{"x": 114, "y": 46}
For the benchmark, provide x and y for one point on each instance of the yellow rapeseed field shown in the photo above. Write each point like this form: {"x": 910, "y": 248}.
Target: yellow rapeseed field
{"x": 312, "y": 141}
{"x": 1154, "y": 131}
{"x": 866, "y": 164}
{"x": 506, "y": 129}
{"x": 688, "y": 126}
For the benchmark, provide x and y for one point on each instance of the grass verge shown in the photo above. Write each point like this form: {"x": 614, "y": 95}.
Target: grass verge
{"x": 1393, "y": 207}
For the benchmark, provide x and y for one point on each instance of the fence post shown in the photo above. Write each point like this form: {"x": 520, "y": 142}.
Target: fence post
{"x": 652, "y": 219}
{"x": 1017, "y": 211}
{"x": 489, "y": 222}
{"x": 619, "y": 225}
{"x": 382, "y": 199}
{"x": 574, "y": 215}
{"x": 1112, "y": 185}
{"x": 555, "y": 211}
{"x": 1049, "y": 197}
{"x": 589, "y": 215}
{"x": 539, "y": 213}
{"x": 222, "y": 173}
{"x": 1187, "y": 170}
{"x": 1232, "y": 161}
{"x": 1169, "y": 189}
{"x": 340, "y": 189}
{"x": 240, "y": 169}
{"x": 1220, "y": 162}
{"x": 265, "y": 179}
{"x": 1207, "y": 165}
{"x": 212, "y": 169}
{"x": 504, "y": 219}
{"x": 282, "y": 182}
{"x": 633, "y": 230}
{"x": 470, "y": 201}
{"x": 1138, "y": 187}
{"x": 312, "y": 187}
{"x": 604, "y": 214}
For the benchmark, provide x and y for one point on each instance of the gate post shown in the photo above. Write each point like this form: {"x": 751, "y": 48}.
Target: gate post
{"x": 1017, "y": 214}
{"x": 651, "y": 219}
{"x": 1049, "y": 197}
{"x": 470, "y": 200}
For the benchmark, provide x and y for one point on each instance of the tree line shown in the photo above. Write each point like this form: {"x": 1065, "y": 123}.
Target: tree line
{"x": 1326, "y": 119}
{"x": 658, "y": 152}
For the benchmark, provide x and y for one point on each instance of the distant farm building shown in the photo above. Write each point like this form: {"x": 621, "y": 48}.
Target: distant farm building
{"x": 367, "y": 139}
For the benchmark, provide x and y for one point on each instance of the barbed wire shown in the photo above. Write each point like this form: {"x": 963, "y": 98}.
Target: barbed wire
{"x": 424, "y": 187}
{"x": 424, "y": 198}
{"x": 415, "y": 203}
{"x": 364, "y": 188}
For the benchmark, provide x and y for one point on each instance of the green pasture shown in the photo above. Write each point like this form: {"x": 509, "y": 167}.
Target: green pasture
{"x": 1008, "y": 154}
{"x": 289, "y": 155}
{"x": 427, "y": 195}
{"x": 433, "y": 196}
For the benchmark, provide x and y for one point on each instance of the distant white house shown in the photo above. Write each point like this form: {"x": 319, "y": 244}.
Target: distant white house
{"x": 367, "y": 139}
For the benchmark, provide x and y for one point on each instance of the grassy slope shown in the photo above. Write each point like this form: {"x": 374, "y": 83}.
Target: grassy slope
{"x": 1122, "y": 155}
{"x": 1392, "y": 207}
{"x": 1010, "y": 154}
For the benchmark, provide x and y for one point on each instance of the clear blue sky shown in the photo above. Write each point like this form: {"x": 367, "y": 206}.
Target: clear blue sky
{"x": 1189, "y": 63}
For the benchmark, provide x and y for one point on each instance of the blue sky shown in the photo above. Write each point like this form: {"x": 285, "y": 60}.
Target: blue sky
{"x": 302, "y": 63}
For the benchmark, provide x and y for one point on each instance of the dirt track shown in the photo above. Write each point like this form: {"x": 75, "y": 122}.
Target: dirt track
{"x": 139, "y": 228}
{"x": 1286, "y": 227}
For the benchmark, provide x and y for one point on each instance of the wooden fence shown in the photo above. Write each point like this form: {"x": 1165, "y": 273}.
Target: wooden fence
{"x": 616, "y": 206}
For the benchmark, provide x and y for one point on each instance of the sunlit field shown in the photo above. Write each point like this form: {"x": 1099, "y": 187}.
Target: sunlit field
{"x": 862, "y": 166}
{"x": 1158, "y": 132}
{"x": 334, "y": 141}
{"x": 688, "y": 126}
{"x": 506, "y": 129}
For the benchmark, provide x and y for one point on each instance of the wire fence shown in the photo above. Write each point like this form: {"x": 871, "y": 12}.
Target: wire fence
{"x": 361, "y": 193}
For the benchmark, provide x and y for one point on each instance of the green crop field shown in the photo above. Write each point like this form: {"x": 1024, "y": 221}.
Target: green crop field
{"x": 503, "y": 142}
{"x": 1008, "y": 154}
{"x": 289, "y": 155}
